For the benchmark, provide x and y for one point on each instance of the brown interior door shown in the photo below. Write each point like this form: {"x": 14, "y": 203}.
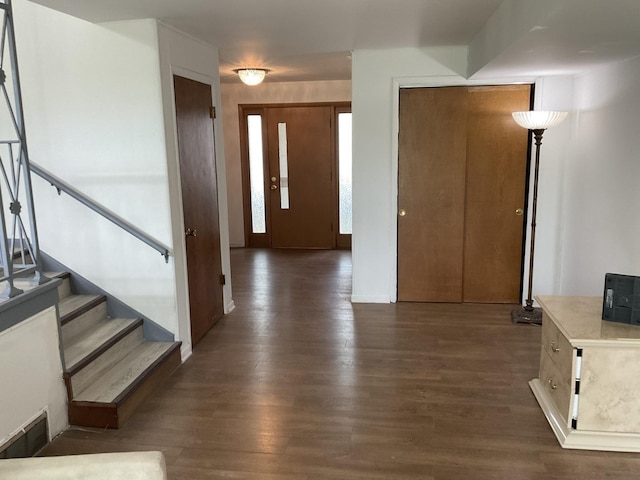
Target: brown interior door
{"x": 200, "y": 203}
{"x": 300, "y": 177}
{"x": 431, "y": 182}
{"x": 496, "y": 178}
{"x": 462, "y": 180}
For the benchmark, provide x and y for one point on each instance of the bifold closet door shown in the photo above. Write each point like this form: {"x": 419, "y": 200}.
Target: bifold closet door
{"x": 461, "y": 189}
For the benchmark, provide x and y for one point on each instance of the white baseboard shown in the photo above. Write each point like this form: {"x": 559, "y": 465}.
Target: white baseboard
{"x": 231, "y": 306}
{"x": 370, "y": 299}
{"x": 185, "y": 351}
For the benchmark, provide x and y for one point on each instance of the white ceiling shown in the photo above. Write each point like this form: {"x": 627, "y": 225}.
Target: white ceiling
{"x": 311, "y": 39}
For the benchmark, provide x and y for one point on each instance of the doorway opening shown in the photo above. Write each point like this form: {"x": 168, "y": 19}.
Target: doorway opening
{"x": 296, "y": 165}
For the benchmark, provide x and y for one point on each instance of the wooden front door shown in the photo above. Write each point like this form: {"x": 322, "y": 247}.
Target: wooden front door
{"x": 299, "y": 185}
{"x": 200, "y": 203}
{"x": 300, "y": 177}
{"x": 462, "y": 182}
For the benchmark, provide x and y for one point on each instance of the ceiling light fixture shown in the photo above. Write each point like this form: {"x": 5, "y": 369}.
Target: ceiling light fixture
{"x": 251, "y": 76}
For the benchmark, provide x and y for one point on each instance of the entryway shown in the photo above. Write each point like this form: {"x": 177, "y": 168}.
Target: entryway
{"x": 296, "y": 162}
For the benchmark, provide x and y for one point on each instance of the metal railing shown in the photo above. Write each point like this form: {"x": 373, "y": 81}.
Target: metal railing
{"x": 19, "y": 250}
{"x": 19, "y": 247}
{"x": 63, "y": 186}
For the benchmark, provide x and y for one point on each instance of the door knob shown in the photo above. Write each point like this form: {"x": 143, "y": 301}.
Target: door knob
{"x": 274, "y": 187}
{"x": 273, "y": 179}
{"x": 190, "y": 233}
{"x": 519, "y": 211}
{"x": 402, "y": 212}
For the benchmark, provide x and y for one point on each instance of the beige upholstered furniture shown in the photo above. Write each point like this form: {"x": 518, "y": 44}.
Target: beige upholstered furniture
{"x": 103, "y": 466}
{"x": 589, "y": 380}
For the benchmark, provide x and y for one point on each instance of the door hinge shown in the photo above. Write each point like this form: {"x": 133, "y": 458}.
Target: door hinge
{"x": 212, "y": 112}
{"x": 223, "y": 279}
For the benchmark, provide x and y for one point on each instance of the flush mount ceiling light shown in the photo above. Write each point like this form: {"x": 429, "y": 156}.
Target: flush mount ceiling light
{"x": 251, "y": 76}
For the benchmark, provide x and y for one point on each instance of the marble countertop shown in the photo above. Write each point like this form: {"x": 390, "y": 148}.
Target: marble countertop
{"x": 580, "y": 320}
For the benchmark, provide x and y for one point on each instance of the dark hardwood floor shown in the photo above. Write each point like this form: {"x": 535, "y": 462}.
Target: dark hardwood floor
{"x": 298, "y": 383}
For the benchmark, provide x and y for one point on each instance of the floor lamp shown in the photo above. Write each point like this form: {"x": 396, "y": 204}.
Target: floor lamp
{"x": 537, "y": 122}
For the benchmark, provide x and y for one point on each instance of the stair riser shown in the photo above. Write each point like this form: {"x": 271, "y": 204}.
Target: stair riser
{"x": 106, "y": 361}
{"x": 87, "y": 320}
{"x": 114, "y": 415}
{"x": 64, "y": 290}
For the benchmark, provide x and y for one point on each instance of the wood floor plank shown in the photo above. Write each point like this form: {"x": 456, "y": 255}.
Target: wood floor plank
{"x": 298, "y": 383}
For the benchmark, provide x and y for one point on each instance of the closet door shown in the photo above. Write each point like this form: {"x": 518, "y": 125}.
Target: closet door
{"x": 431, "y": 183}
{"x": 495, "y": 195}
{"x": 462, "y": 182}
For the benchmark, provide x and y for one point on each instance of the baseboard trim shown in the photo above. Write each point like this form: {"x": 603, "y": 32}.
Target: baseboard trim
{"x": 231, "y": 306}
{"x": 370, "y": 299}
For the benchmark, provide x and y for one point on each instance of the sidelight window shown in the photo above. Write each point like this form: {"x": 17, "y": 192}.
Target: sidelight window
{"x": 283, "y": 163}
{"x": 344, "y": 171}
{"x": 256, "y": 174}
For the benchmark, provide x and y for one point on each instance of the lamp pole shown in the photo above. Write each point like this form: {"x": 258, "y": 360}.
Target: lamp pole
{"x": 537, "y": 122}
{"x": 529, "y": 314}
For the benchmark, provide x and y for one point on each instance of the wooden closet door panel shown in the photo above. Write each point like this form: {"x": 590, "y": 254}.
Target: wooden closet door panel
{"x": 496, "y": 185}
{"x": 196, "y": 150}
{"x": 431, "y": 189}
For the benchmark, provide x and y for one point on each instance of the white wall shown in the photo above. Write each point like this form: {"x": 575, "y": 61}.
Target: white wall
{"x": 551, "y": 93}
{"x": 31, "y": 375}
{"x": 93, "y": 110}
{"x": 234, "y": 94}
{"x": 187, "y": 57}
{"x": 100, "y": 113}
{"x": 375, "y": 78}
{"x": 602, "y": 194}
{"x": 508, "y": 25}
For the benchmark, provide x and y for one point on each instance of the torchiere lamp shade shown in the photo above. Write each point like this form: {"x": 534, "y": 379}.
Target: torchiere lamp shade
{"x": 536, "y": 120}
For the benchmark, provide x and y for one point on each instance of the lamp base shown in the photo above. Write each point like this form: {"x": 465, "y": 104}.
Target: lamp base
{"x": 532, "y": 316}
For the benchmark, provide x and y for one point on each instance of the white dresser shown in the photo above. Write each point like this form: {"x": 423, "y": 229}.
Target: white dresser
{"x": 589, "y": 380}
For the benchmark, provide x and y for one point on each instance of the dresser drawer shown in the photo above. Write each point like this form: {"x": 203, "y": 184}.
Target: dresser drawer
{"x": 557, "y": 384}
{"x": 557, "y": 347}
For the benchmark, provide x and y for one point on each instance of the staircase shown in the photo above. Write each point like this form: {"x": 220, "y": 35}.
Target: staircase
{"x": 109, "y": 367}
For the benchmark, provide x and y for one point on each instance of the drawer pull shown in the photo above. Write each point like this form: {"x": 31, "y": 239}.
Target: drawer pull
{"x": 552, "y": 385}
{"x": 554, "y": 347}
